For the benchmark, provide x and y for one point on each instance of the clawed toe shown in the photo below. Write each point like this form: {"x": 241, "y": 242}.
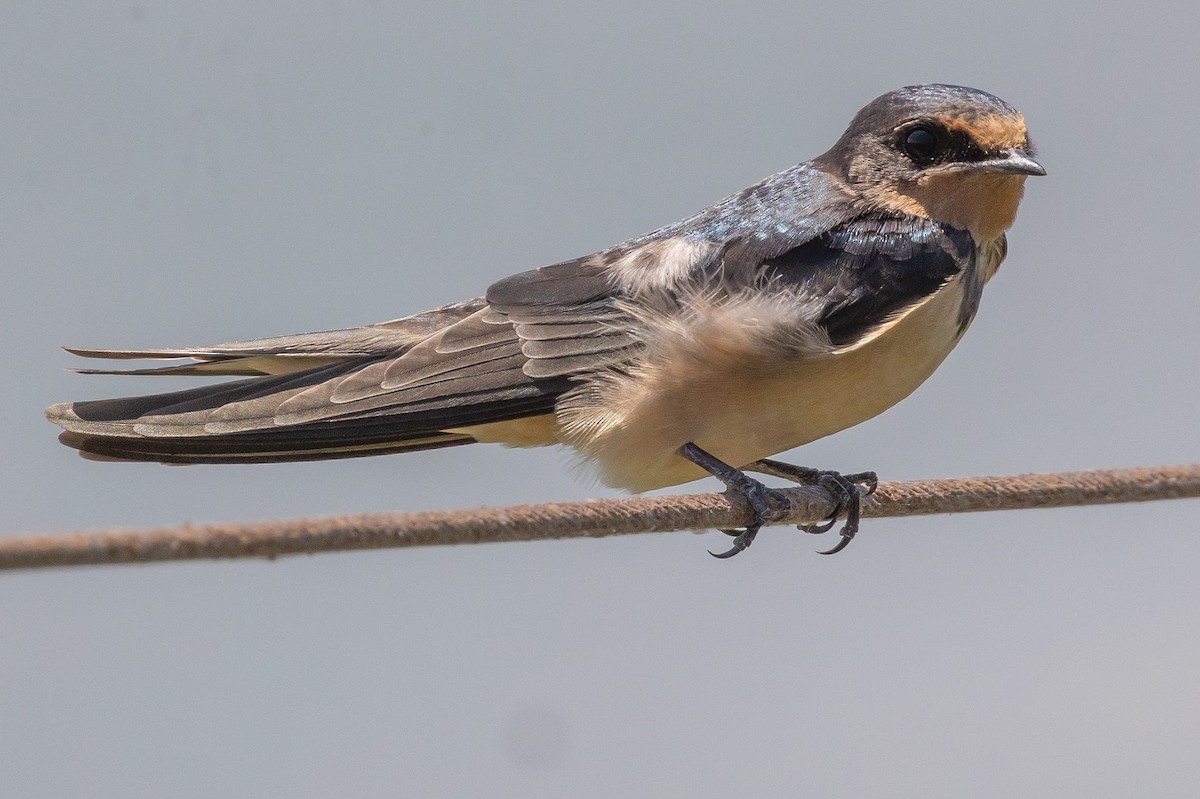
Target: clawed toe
{"x": 741, "y": 540}
{"x": 847, "y": 490}
{"x": 869, "y": 480}
{"x": 769, "y": 505}
{"x": 823, "y": 527}
{"x": 841, "y": 544}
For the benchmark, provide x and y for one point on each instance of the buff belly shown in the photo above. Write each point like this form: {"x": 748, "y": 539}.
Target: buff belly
{"x": 742, "y": 407}
{"x": 734, "y": 401}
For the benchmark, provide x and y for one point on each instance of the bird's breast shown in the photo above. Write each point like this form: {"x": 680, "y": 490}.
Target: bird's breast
{"x": 741, "y": 401}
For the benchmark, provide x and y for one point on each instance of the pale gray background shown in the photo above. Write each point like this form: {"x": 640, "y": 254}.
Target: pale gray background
{"x": 184, "y": 175}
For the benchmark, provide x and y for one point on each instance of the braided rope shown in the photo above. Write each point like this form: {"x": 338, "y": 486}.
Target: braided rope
{"x": 592, "y": 518}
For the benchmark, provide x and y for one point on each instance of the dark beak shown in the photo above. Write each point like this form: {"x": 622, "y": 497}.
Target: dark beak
{"x": 1013, "y": 161}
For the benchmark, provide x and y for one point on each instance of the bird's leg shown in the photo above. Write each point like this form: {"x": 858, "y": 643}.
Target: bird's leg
{"x": 767, "y": 504}
{"x": 845, "y": 489}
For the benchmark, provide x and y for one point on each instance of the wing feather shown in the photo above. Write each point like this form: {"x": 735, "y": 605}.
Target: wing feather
{"x": 279, "y": 354}
{"x": 865, "y": 273}
{"x": 412, "y": 382}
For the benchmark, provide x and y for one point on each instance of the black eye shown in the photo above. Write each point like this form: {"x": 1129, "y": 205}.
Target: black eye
{"x": 922, "y": 145}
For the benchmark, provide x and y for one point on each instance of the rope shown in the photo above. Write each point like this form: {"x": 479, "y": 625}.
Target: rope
{"x": 593, "y": 518}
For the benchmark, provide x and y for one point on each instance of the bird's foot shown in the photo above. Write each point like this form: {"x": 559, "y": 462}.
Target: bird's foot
{"x": 767, "y": 504}
{"x": 847, "y": 490}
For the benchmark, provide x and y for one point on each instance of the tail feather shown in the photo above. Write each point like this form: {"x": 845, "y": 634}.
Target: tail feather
{"x": 377, "y": 339}
{"x": 188, "y": 426}
{"x": 322, "y": 395}
{"x": 250, "y": 366}
{"x": 370, "y": 434}
{"x": 218, "y": 450}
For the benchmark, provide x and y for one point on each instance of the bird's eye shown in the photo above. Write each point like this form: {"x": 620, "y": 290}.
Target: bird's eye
{"x": 922, "y": 145}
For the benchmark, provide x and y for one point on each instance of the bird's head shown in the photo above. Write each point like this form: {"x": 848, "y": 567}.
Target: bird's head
{"x": 952, "y": 154}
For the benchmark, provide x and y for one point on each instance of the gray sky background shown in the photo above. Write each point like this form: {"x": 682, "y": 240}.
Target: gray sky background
{"x": 185, "y": 174}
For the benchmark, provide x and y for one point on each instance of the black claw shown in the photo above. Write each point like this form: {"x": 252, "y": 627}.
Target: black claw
{"x": 833, "y": 486}
{"x": 817, "y": 529}
{"x": 846, "y": 489}
{"x": 849, "y": 495}
{"x": 850, "y": 528}
{"x": 765, "y": 503}
{"x": 868, "y": 479}
{"x": 743, "y": 540}
{"x": 846, "y": 539}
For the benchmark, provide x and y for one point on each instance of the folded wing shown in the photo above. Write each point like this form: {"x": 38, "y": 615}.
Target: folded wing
{"x": 401, "y": 385}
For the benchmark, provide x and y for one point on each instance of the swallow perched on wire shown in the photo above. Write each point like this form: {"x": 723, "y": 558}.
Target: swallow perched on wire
{"x": 802, "y": 305}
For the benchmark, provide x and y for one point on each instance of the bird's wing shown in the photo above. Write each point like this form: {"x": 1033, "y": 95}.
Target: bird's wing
{"x": 538, "y": 331}
{"x": 372, "y": 389}
{"x": 863, "y": 274}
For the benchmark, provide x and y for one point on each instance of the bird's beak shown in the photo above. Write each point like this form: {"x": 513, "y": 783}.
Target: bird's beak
{"x": 1013, "y": 161}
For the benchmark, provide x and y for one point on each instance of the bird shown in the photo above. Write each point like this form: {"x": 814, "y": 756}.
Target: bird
{"x": 802, "y": 305}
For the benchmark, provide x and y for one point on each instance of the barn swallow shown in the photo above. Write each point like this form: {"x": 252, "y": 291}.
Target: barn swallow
{"x": 798, "y": 307}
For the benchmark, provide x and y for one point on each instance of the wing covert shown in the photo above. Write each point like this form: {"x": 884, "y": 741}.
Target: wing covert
{"x": 868, "y": 270}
